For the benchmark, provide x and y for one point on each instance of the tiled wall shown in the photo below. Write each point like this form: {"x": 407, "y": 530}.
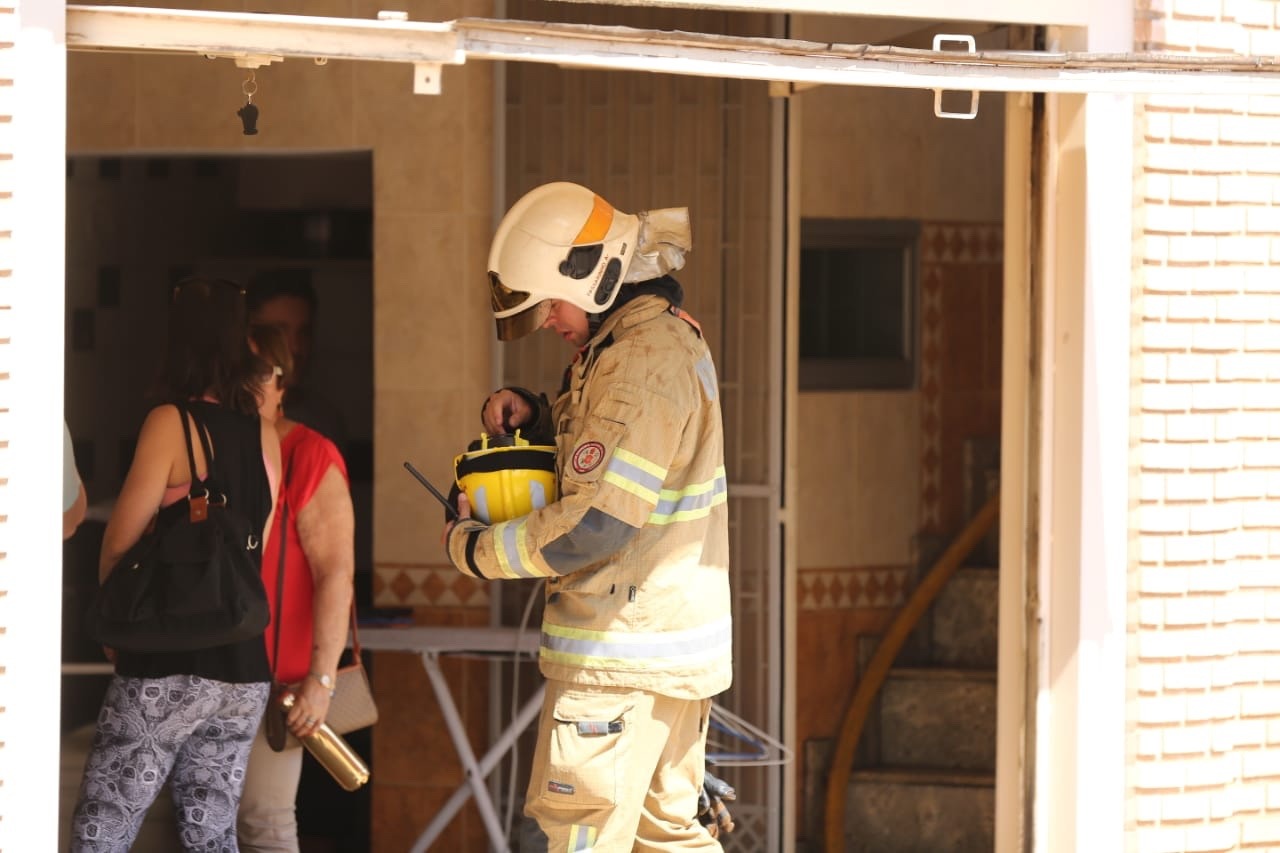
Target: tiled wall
{"x": 1204, "y": 630}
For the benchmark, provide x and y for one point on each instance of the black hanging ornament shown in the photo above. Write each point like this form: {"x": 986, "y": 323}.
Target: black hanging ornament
{"x": 249, "y": 112}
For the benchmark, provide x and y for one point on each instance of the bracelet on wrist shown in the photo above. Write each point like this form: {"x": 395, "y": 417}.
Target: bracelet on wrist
{"x": 326, "y": 681}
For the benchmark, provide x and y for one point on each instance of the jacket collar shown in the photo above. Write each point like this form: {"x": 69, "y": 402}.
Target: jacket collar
{"x": 638, "y": 310}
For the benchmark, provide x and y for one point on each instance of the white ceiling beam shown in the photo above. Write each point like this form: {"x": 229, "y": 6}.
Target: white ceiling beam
{"x": 233, "y": 34}
{"x": 1067, "y": 13}
{"x": 788, "y": 60}
{"x": 240, "y": 35}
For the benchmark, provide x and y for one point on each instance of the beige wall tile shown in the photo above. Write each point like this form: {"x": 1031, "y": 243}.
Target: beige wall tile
{"x": 428, "y": 430}
{"x": 882, "y": 153}
{"x": 95, "y": 121}
{"x": 859, "y": 463}
{"x": 432, "y": 338}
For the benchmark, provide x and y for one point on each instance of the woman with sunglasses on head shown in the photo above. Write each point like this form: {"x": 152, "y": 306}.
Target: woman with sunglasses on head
{"x": 186, "y": 717}
{"x": 315, "y": 527}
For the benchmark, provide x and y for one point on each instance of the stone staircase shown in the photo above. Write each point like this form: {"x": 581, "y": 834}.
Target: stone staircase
{"x": 924, "y": 777}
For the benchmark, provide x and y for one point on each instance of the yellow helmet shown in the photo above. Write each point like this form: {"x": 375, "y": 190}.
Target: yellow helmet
{"x": 505, "y": 477}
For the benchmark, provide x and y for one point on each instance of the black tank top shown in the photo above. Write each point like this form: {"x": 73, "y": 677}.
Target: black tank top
{"x": 238, "y": 467}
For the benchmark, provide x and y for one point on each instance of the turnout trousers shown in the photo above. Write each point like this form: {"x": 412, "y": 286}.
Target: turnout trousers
{"x": 615, "y": 770}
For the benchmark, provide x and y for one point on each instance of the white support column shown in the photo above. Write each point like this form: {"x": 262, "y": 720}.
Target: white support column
{"x": 31, "y": 403}
{"x": 1104, "y": 489}
{"x": 1080, "y": 745}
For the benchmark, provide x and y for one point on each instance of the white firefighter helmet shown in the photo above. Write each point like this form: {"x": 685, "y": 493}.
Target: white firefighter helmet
{"x": 559, "y": 241}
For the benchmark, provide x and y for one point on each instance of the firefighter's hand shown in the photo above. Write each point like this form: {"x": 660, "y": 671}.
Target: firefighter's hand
{"x": 712, "y": 812}
{"x": 504, "y": 411}
{"x": 464, "y": 511}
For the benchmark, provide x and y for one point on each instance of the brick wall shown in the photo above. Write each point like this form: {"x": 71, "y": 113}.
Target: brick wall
{"x": 1204, "y": 716}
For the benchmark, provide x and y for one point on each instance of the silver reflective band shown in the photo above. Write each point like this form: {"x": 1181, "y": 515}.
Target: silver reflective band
{"x": 705, "y": 641}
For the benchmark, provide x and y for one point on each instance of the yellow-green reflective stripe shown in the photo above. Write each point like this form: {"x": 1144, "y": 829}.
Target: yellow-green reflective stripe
{"x": 626, "y": 665}
{"x": 628, "y": 651}
{"x": 581, "y": 838}
{"x": 691, "y": 502}
{"x": 640, "y": 462}
{"x": 511, "y": 547}
{"x": 500, "y": 550}
{"x": 527, "y": 563}
{"x": 635, "y": 474}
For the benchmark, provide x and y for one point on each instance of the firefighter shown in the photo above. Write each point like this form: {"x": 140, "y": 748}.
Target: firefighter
{"x": 636, "y": 632}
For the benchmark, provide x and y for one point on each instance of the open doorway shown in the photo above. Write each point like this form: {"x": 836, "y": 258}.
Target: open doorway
{"x": 135, "y": 226}
{"x": 899, "y": 307}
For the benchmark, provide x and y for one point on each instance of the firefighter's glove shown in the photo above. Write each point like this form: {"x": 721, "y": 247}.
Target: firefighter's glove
{"x": 457, "y": 536}
{"x": 712, "y": 812}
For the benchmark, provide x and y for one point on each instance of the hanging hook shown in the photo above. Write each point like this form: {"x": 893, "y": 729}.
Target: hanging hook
{"x": 249, "y": 87}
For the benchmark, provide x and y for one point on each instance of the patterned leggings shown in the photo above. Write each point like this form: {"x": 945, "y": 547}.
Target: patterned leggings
{"x": 196, "y": 729}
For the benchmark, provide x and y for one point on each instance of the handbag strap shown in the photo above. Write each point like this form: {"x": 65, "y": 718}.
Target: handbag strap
{"x": 191, "y": 456}
{"x": 355, "y": 633}
{"x": 284, "y": 540}
{"x": 203, "y": 432}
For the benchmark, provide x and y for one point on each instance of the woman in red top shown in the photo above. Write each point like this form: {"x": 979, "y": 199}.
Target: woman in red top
{"x": 319, "y": 564}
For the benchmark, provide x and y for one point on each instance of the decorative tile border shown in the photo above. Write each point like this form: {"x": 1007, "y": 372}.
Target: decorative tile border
{"x": 853, "y": 588}
{"x": 400, "y": 585}
{"x": 930, "y": 399}
{"x": 962, "y": 243}
{"x": 942, "y": 243}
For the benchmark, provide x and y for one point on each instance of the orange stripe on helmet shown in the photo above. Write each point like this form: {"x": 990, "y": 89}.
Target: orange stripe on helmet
{"x": 597, "y": 225}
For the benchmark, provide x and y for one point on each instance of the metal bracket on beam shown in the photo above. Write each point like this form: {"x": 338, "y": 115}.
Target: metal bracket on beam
{"x": 256, "y": 60}
{"x": 426, "y": 78}
{"x": 969, "y": 42}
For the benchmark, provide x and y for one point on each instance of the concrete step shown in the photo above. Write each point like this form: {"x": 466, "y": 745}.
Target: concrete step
{"x": 937, "y": 717}
{"x": 963, "y": 620}
{"x": 920, "y": 810}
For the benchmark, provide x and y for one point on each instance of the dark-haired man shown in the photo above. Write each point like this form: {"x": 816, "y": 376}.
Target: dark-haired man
{"x": 286, "y": 299}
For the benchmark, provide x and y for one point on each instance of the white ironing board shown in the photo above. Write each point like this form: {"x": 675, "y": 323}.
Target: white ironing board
{"x": 496, "y": 643}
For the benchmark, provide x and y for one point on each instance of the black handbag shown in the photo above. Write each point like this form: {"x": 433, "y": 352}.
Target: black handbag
{"x": 192, "y": 581}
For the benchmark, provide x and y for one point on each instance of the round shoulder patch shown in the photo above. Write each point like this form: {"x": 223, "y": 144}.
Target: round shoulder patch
{"x": 588, "y": 456}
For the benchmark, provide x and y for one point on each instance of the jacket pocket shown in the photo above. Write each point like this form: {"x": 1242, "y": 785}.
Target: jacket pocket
{"x": 589, "y": 739}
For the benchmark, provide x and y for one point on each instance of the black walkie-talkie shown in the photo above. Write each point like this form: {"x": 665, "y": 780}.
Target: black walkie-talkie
{"x": 449, "y": 508}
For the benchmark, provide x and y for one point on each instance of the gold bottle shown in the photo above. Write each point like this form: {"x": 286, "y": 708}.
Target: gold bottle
{"x": 334, "y": 754}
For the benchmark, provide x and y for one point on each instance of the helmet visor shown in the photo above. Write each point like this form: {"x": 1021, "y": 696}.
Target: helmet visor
{"x": 519, "y": 325}
{"x": 507, "y": 304}
{"x": 505, "y": 299}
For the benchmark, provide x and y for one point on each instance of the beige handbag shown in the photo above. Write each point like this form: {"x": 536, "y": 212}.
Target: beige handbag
{"x": 352, "y": 706}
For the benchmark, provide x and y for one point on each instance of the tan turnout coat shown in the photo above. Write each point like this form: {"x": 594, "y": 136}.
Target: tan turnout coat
{"x": 635, "y": 551}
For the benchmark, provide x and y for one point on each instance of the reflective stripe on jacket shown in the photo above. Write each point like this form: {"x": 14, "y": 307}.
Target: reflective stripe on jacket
{"x": 636, "y": 550}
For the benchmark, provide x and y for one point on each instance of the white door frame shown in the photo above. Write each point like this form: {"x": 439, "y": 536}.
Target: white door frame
{"x": 32, "y": 312}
